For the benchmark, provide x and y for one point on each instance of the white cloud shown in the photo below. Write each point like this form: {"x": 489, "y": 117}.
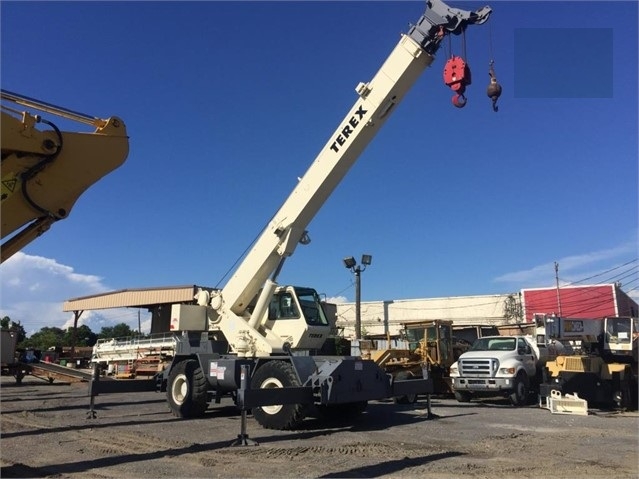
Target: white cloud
{"x": 32, "y": 278}
{"x": 33, "y": 290}
{"x": 601, "y": 266}
{"x": 337, "y": 299}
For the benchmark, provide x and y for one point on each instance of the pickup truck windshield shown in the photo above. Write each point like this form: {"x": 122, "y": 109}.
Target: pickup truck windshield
{"x": 494, "y": 344}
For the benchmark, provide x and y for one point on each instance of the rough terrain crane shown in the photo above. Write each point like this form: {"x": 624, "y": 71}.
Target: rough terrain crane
{"x": 605, "y": 370}
{"x": 44, "y": 171}
{"x": 253, "y": 331}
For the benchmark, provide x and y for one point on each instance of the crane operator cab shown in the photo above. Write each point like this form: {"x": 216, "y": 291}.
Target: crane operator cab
{"x": 296, "y": 312}
{"x": 619, "y": 335}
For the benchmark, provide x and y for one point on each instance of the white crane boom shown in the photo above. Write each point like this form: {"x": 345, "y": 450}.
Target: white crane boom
{"x": 377, "y": 99}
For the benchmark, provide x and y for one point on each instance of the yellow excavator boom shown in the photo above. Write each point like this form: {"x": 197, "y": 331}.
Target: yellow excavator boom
{"x": 45, "y": 170}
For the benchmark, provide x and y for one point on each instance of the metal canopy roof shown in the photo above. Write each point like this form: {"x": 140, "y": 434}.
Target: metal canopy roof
{"x": 134, "y": 298}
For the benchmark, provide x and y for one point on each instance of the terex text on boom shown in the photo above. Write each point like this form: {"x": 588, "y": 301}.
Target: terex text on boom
{"x": 349, "y": 128}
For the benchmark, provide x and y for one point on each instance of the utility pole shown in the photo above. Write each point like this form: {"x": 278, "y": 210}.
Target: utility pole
{"x": 557, "y": 283}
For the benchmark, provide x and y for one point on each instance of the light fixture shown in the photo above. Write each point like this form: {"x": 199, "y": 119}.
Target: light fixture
{"x": 349, "y": 262}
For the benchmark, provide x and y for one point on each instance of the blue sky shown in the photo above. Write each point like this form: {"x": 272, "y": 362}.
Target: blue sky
{"x": 228, "y": 103}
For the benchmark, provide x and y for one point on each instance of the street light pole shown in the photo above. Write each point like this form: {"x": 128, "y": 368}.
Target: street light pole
{"x": 358, "y": 303}
{"x": 351, "y": 264}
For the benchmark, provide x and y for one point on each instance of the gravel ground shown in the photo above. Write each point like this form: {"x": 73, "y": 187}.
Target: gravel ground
{"x": 46, "y": 433}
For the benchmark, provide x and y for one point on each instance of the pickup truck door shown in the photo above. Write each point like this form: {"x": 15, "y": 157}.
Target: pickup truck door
{"x": 527, "y": 356}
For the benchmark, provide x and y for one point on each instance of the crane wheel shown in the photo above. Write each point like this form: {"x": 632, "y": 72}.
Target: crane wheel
{"x": 277, "y": 374}
{"x": 186, "y": 390}
{"x": 629, "y": 391}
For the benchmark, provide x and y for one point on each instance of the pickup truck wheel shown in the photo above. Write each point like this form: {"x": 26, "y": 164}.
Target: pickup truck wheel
{"x": 462, "y": 396}
{"x": 519, "y": 396}
{"x": 186, "y": 390}
{"x": 277, "y": 374}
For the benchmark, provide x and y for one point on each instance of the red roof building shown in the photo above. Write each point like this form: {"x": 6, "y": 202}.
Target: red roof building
{"x": 596, "y": 301}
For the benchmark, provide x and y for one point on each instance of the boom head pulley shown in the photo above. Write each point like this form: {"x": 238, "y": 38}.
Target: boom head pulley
{"x": 439, "y": 19}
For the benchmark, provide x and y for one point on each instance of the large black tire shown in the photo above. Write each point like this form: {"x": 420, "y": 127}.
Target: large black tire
{"x": 462, "y": 396}
{"x": 628, "y": 390}
{"x": 277, "y": 374}
{"x": 634, "y": 392}
{"x": 521, "y": 389}
{"x": 186, "y": 390}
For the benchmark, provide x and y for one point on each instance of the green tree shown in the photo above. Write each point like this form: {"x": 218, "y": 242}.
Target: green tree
{"x": 83, "y": 336}
{"x": 121, "y": 330}
{"x": 47, "y": 337}
{"x": 6, "y": 323}
{"x": 513, "y": 310}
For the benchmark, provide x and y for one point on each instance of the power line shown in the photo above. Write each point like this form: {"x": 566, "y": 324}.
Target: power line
{"x": 605, "y": 272}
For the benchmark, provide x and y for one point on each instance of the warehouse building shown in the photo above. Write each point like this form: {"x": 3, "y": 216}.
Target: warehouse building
{"x": 386, "y": 317}
{"x": 589, "y": 301}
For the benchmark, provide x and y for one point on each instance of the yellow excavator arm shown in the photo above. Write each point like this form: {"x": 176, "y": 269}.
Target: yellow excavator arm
{"x": 45, "y": 170}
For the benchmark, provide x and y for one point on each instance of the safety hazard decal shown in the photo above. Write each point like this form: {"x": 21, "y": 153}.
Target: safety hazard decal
{"x": 8, "y": 186}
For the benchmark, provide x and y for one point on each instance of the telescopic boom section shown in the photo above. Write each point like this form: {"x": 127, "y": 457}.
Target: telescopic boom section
{"x": 377, "y": 100}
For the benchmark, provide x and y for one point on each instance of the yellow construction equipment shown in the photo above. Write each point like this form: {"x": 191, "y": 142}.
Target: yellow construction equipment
{"x": 44, "y": 171}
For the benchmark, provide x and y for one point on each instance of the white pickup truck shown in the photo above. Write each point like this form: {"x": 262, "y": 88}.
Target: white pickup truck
{"x": 510, "y": 366}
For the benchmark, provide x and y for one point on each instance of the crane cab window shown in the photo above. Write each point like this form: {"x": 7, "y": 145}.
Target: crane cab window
{"x": 311, "y": 307}
{"x": 305, "y": 303}
{"x": 618, "y": 330}
{"x": 283, "y": 307}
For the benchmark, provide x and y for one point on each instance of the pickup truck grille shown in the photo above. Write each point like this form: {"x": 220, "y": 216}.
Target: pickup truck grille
{"x": 483, "y": 368}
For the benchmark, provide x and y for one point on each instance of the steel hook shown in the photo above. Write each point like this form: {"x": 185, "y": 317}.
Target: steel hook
{"x": 494, "y": 89}
{"x": 459, "y": 100}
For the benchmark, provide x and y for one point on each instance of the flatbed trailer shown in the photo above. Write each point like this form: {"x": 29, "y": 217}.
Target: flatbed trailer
{"x": 45, "y": 371}
{"x": 50, "y": 372}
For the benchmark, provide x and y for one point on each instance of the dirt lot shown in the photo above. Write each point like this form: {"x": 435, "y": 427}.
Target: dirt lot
{"x": 46, "y": 433}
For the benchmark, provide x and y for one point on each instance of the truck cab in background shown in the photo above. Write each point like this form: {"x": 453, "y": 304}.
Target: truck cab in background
{"x": 509, "y": 366}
